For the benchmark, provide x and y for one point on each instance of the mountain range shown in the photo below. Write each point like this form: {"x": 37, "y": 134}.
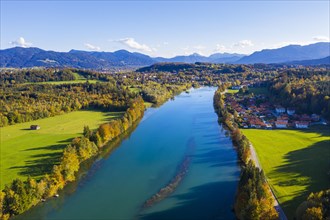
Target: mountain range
{"x": 30, "y": 57}
{"x": 288, "y": 53}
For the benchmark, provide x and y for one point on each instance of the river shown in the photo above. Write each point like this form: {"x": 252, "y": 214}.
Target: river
{"x": 180, "y": 138}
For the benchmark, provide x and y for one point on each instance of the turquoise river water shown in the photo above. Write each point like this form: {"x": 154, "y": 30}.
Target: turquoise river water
{"x": 116, "y": 186}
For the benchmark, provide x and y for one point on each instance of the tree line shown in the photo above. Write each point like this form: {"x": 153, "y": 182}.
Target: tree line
{"x": 37, "y": 75}
{"x": 27, "y": 102}
{"x": 317, "y": 206}
{"x": 20, "y": 195}
{"x": 307, "y": 90}
{"x": 253, "y": 199}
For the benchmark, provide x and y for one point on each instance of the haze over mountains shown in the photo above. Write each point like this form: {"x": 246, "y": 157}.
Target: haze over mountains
{"x": 18, "y": 57}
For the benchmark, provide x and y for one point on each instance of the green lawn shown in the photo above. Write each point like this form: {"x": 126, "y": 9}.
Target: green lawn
{"x": 233, "y": 91}
{"x": 33, "y": 152}
{"x": 148, "y": 104}
{"x": 135, "y": 90}
{"x": 296, "y": 162}
{"x": 69, "y": 82}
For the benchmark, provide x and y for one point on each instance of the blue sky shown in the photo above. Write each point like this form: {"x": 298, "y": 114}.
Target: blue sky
{"x": 163, "y": 28}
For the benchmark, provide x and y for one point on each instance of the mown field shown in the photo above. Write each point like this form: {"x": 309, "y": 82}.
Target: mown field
{"x": 69, "y": 82}
{"x": 296, "y": 162}
{"x": 25, "y": 152}
{"x": 233, "y": 91}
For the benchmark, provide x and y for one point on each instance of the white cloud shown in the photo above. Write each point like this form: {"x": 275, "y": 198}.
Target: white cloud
{"x": 20, "y": 42}
{"x": 321, "y": 38}
{"x": 131, "y": 43}
{"x": 219, "y": 48}
{"x": 199, "y": 47}
{"x": 92, "y": 47}
{"x": 244, "y": 44}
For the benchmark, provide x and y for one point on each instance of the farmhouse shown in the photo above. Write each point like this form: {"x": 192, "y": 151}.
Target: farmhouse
{"x": 34, "y": 127}
{"x": 281, "y": 124}
{"x": 291, "y": 111}
{"x": 279, "y": 109}
{"x": 236, "y": 87}
{"x": 301, "y": 124}
{"x": 315, "y": 117}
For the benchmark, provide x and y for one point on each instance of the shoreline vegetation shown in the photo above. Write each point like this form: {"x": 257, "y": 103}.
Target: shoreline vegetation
{"x": 253, "y": 198}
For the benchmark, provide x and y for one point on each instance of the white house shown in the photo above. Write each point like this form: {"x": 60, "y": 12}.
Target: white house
{"x": 236, "y": 87}
{"x": 280, "y": 109}
{"x": 302, "y": 124}
{"x": 291, "y": 111}
{"x": 281, "y": 124}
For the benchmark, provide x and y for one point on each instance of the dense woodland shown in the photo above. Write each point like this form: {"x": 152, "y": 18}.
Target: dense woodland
{"x": 26, "y": 102}
{"x": 307, "y": 90}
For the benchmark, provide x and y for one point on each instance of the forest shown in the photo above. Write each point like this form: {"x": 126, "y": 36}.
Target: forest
{"x": 307, "y": 90}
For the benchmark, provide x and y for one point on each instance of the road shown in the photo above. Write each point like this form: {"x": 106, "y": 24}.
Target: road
{"x": 277, "y": 206}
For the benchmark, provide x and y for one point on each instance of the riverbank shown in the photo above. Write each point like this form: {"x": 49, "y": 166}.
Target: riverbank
{"x": 253, "y": 199}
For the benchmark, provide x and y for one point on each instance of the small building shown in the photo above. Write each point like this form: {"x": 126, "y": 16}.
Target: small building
{"x": 302, "y": 124}
{"x": 281, "y": 124}
{"x": 268, "y": 126}
{"x": 291, "y": 111}
{"x": 279, "y": 109}
{"x": 315, "y": 117}
{"x": 236, "y": 87}
{"x": 34, "y": 127}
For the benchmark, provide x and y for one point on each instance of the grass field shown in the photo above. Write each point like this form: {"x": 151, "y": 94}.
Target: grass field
{"x": 68, "y": 82}
{"x": 233, "y": 91}
{"x": 296, "y": 162}
{"x": 33, "y": 152}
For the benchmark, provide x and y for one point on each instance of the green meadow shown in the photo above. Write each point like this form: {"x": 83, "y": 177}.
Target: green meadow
{"x": 69, "y": 82}
{"x": 233, "y": 91}
{"x": 26, "y": 152}
{"x": 296, "y": 162}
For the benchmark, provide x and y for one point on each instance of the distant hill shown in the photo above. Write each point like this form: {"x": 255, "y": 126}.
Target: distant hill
{"x": 167, "y": 67}
{"x": 193, "y": 58}
{"x": 322, "y": 61}
{"x": 288, "y": 53}
{"x": 30, "y": 57}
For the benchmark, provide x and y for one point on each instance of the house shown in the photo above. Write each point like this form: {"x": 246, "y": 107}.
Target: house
{"x": 236, "y": 87}
{"x": 315, "y": 117}
{"x": 305, "y": 117}
{"x": 281, "y": 124}
{"x": 34, "y": 127}
{"x": 268, "y": 126}
{"x": 291, "y": 111}
{"x": 301, "y": 124}
{"x": 279, "y": 109}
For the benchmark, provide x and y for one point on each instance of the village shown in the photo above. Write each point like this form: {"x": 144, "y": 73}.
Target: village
{"x": 256, "y": 111}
